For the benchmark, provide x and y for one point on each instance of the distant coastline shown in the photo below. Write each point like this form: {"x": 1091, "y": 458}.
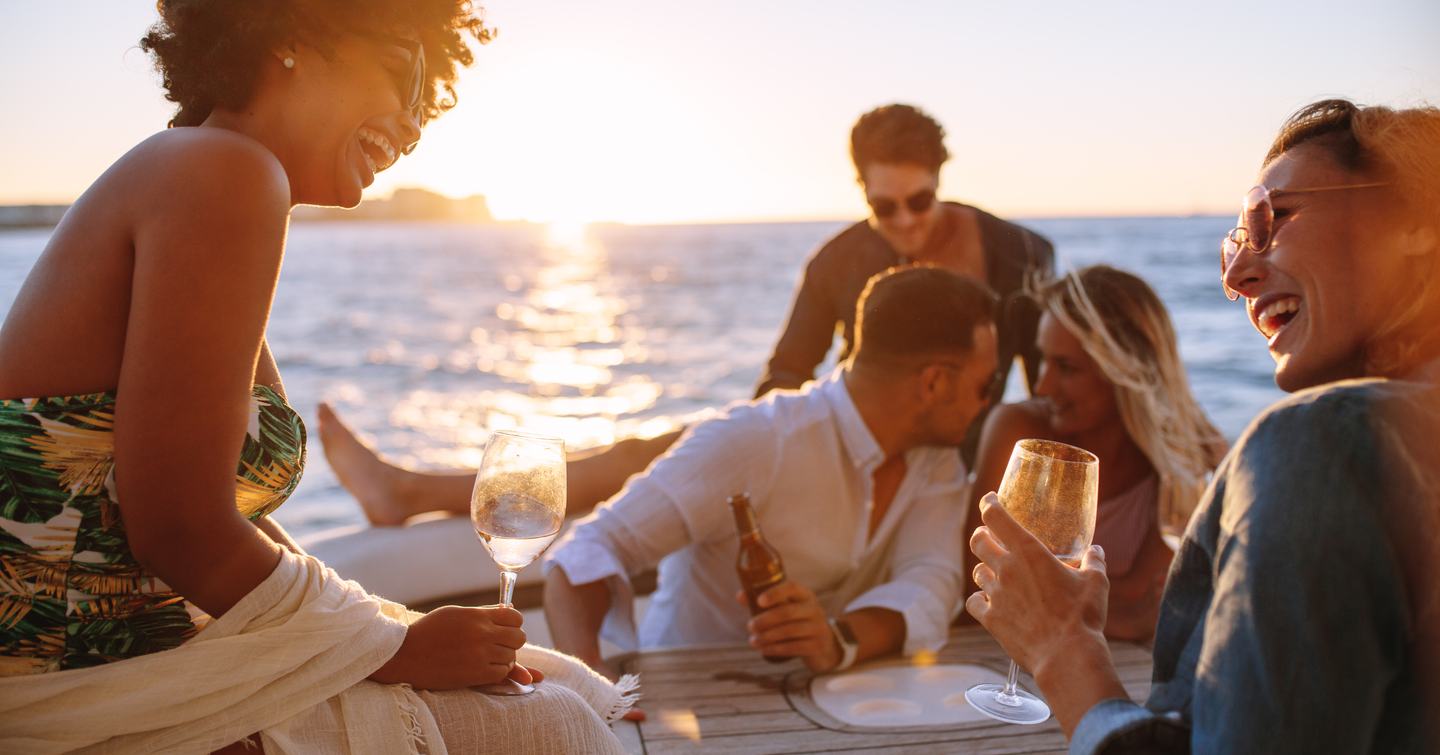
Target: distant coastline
{"x": 405, "y": 205}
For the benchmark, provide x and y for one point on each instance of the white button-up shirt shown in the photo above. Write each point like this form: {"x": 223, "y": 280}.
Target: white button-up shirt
{"x": 807, "y": 460}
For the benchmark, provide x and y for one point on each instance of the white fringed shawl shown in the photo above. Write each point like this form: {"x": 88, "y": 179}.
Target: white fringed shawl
{"x": 290, "y": 661}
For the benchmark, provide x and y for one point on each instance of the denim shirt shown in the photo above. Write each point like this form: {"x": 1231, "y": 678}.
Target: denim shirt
{"x": 1285, "y": 624}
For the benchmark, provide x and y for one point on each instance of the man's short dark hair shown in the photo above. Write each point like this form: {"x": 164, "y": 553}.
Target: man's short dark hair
{"x": 910, "y": 312}
{"x": 898, "y": 135}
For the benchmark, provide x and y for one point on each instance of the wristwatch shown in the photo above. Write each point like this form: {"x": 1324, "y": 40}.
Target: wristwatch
{"x": 849, "y": 646}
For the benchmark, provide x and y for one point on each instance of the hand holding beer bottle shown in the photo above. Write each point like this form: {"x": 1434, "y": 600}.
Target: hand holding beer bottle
{"x": 758, "y": 563}
{"x": 788, "y": 620}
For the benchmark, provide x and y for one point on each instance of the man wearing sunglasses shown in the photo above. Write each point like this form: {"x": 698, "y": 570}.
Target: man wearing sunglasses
{"x": 898, "y": 151}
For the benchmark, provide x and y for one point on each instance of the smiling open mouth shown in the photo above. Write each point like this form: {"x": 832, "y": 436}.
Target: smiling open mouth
{"x": 378, "y": 151}
{"x": 1276, "y": 315}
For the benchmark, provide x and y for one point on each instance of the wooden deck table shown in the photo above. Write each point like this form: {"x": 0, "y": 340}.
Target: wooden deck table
{"x": 728, "y": 699}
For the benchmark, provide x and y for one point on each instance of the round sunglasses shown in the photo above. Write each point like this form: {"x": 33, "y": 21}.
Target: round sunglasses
{"x": 1257, "y": 225}
{"x": 918, "y": 203}
{"x": 412, "y": 90}
{"x": 411, "y": 87}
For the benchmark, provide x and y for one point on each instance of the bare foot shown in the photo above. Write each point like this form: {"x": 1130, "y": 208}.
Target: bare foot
{"x": 374, "y": 482}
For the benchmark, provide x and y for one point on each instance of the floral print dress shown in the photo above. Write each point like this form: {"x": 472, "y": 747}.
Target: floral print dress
{"x": 71, "y": 593}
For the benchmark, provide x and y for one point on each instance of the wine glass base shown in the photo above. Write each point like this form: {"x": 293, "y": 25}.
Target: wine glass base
{"x": 1019, "y": 708}
{"x": 505, "y": 688}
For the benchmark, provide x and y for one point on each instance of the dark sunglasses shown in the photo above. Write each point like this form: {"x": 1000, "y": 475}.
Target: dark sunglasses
{"x": 918, "y": 203}
{"x": 1257, "y": 225}
{"x": 411, "y": 87}
{"x": 412, "y": 90}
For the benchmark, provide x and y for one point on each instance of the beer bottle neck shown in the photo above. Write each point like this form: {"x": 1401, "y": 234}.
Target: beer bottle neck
{"x": 745, "y": 522}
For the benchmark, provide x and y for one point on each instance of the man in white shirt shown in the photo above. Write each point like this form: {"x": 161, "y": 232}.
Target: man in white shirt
{"x": 855, "y": 481}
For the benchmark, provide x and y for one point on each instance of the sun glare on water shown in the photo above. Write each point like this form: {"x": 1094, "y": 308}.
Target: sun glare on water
{"x": 573, "y": 235}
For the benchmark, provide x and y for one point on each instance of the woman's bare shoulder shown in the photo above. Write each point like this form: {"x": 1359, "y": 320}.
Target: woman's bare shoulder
{"x": 1006, "y": 424}
{"x": 206, "y": 159}
{"x": 196, "y": 188}
{"x": 1022, "y": 419}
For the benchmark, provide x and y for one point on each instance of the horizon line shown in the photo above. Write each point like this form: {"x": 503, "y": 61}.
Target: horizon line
{"x": 737, "y": 220}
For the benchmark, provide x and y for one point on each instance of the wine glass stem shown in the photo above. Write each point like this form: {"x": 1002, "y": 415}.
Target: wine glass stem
{"x": 507, "y": 587}
{"x": 1007, "y": 695}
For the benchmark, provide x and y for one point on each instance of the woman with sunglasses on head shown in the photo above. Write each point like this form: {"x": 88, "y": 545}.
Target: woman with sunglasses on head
{"x": 148, "y": 601}
{"x": 898, "y": 151}
{"x": 1111, "y": 381}
{"x": 1301, "y": 614}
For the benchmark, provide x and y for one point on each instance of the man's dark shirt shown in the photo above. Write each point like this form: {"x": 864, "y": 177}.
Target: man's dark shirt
{"x": 836, "y": 275}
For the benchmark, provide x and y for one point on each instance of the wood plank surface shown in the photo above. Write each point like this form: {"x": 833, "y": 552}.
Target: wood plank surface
{"x": 728, "y": 699}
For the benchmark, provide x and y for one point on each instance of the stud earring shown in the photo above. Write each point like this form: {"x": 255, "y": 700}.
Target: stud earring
{"x": 288, "y": 62}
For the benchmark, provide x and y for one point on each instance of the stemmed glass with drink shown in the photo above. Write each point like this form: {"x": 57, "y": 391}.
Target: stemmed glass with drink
{"x": 517, "y": 506}
{"x": 1050, "y": 489}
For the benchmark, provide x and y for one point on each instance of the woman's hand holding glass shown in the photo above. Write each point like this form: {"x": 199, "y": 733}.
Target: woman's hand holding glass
{"x": 455, "y": 647}
{"x": 1029, "y": 599}
{"x": 1049, "y": 617}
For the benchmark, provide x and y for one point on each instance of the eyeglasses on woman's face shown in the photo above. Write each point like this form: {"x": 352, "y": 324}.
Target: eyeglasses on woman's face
{"x": 1257, "y": 225}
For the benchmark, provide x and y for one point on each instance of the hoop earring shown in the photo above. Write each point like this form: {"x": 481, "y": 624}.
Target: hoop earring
{"x": 288, "y": 62}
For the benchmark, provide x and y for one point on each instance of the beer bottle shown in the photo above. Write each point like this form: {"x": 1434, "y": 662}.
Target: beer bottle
{"x": 757, "y": 563}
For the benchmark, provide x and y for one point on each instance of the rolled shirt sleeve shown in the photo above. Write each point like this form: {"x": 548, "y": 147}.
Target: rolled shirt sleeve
{"x": 585, "y": 558}
{"x": 681, "y": 499}
{"x": 926, "y": 565}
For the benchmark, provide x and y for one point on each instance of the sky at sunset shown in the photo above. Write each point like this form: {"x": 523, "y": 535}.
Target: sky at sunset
{"x": 665, "y": 111}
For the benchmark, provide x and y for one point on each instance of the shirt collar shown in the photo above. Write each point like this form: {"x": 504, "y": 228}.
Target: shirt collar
{"x": 860, "y": 444}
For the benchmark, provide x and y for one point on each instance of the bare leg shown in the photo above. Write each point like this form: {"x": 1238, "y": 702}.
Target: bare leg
{"x": 387, "y": 493}
{"x": 390, "y": 494}
{"x": 596, "y": 474}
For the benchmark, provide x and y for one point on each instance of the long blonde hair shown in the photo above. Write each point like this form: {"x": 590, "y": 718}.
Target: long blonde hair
{"x": 1123, "y": 326}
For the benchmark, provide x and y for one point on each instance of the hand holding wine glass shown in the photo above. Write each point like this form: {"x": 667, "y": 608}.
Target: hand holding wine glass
{"x": 1048, "y": 495}
{"x": 517, "y": 506}
{"x": 454, "y": 647}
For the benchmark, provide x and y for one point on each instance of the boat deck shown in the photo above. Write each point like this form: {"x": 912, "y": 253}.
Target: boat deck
{"x": 730, "y": 700}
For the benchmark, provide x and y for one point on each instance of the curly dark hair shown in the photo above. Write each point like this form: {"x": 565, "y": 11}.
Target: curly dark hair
{"x": 895, "y": 134}
{"x": 209, "y": 52}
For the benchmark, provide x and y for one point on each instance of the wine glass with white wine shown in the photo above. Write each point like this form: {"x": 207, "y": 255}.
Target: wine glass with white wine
{"x": 1050, "y": 489}
{"x": 517, "y": 506}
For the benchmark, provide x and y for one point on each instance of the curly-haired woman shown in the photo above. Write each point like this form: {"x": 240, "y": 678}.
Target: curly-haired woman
{"x": 1302, "y": 612}
{"x": 147, "y": 601}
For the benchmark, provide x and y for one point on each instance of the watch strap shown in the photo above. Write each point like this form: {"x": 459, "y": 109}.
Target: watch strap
{"x": 849, "y": 646}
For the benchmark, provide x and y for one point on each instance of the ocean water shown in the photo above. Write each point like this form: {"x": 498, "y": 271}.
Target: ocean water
{"x": 426, "y": 337}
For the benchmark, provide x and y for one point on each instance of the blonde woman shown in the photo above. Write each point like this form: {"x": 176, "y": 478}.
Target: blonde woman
{"x": 1111, "y": 381}
{"x": 1303, "y": 613}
